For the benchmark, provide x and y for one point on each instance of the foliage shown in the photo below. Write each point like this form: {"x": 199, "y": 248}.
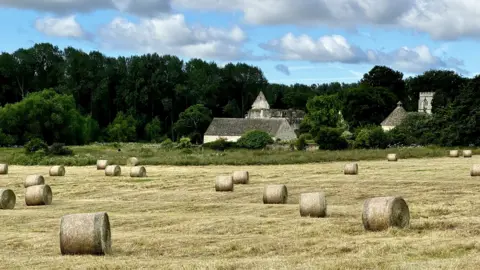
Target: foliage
{"x": 255, "y": 139}
{"x": 322, "y": 111}
{"x": 184, "y": 143}
{"x": 194, "y": 120}
{"x": 167, "y": 143}
{"x": 301, "y": 142}
{"x": 153, "y": 130}
{"x": 219, "y": 145}
{"x": 35, "y": 145}
{"x": 371, "y": 137}
{"x": 59, "y": 149}
{"x": 367, "y": 105}
{"x": 122, "y": 129}
{"x": 329, "y": 138}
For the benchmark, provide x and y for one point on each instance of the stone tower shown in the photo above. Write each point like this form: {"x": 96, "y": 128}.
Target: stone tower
{"x": 425, "y": 102}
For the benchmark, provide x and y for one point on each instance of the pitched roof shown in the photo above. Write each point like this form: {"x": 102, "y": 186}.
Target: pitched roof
{"x": 238, "y": 126}
{"x": 260, "y": 102}
{"x": 396, "y": 116}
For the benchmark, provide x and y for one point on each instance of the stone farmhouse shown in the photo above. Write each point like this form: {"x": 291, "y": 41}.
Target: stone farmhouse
{"x": 280, "y": 124}
{"x": 396, "y": 117}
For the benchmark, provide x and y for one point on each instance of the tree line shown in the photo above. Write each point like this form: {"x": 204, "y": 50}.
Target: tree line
{"x": 78, "y": 97}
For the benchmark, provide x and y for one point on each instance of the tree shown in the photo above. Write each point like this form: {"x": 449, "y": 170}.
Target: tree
{"x": 193, "y": 121}
{"x": 367, "y": 105}
{"x": 122, "y": 129}
{"x": 322, "y": 111}
{"x": 382, "y": 76}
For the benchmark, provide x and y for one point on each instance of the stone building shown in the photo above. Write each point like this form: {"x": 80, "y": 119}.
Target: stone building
{"x": 232, "y": 129}
{"x": 399, "y": 113}
{"x": 280, "y": 124}
{"x": 261, "y": 110}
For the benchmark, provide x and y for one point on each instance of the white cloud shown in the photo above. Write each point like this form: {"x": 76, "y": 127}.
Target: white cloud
{"x": 138, "y": 7}
{"x": 60, "y": 27}
{"x": 442, "y": 19}
{"x": 337, "y": 49}
{"x": 170, "y": 34}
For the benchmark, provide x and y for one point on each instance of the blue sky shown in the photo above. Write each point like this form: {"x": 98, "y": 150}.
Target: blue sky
{"x": 292, "y": 41}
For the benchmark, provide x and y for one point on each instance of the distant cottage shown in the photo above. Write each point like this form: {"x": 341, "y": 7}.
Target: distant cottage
{"x": 280, "y": 124}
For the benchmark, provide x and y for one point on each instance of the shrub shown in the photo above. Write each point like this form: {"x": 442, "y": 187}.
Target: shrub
{"x": 329, "y": 138}
{"x": 184, "y": 143}
{"x": 35, "y": 145}
{"x": 301, "y": 142}
{"x": 59, "y": 149}
{"x": 167, "y": 143}
{"x": 255, "y": 139}
{"x": 219, "y": 145}
{"x": 371, "y": 137}
{"x": 153, "y": 130}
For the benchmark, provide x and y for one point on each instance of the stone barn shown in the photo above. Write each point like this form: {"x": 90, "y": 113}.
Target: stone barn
{"x": 232, "y": 129}
{"x": 394, "y": 118}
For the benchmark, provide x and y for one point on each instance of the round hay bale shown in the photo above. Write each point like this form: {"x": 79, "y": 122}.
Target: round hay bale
{"x": 133, "y": 161}
{"x": 87, "y": 234}
{"x": 57, "y": 171}
{"x": 351, "y": 168}
{"x": 454, "y": 153}
{"x": 313, "y": 204}
{"x": 240, "y": 177}
{"x": 467, "y": 153}
{"x": 138, "y": 171}
{"x": 475, "y": 171}
{"x": 224, "y": 183}
{"x": 392, "y": 157}
{"x": 102, "y": 164}
{"x": 275, "y": 194}
{"x": 380, "y": 213}
{"x": 38, "y": 195}
{"x": 113, "y": 170}
{"x": 7, "y": 198}
{"x": 3, "y": 168}
{"x": 33, "y": 180}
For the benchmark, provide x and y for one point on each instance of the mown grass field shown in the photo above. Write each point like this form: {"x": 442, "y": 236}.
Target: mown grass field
{"x": 174, "y": 219}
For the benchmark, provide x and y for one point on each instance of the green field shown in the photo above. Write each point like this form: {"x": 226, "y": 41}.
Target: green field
{"x": 153, "y": 154}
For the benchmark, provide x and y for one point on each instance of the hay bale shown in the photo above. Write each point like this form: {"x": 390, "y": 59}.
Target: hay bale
{"x": 380, "y": 213}
{"x": 33, "y": 180}
{"x": 133, "y": 161}
{"x": 7, "y": 198}
{"x": 102, "y": 164}
{"x": 3, "y": 168}
{"x": 57, "y": 171}
{"x": 392, "y": 157}
{"x": 224, "y": 183}
{"x": 467, "y": 153}
{"x": 475, "y": 171}
{"x": 351, "y": 169}
{"x": 138, "y": 171}
{"x": 38, "y": 195}
{"x": 87, "y": 233}
{"x": 313, "y": 204}
{"x": 240, "y": 177}
{"x": 113, "y": 170}
{"x": 275, "y": 194}
{"x": 454, "y": 153}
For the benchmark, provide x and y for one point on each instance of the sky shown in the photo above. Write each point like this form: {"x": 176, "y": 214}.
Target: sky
{"x": 292, "y": 41}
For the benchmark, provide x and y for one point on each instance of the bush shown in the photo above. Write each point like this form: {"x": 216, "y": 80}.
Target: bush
{"x": 59, "y": 149}
{"x": 35, "y": 145}
{"x": 371, "y": 137}
{"x": 153, "y": 130}
{"x": 255, "y": 139}
{"x": 184, "y": 143}
{"x": 167, "y": 143}
{"x": 329, "y": 138}
{"x": 122, "y": 129}
{"x": 301, "y": 142}
{"x": 219, "y": 145}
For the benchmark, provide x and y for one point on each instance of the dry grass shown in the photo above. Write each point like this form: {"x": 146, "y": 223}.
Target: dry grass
{"x": 174, "y": 219}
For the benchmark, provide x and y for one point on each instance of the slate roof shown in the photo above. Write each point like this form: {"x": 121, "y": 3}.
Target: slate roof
{"x": 396, "y": 116}
{"x": 238, "y": 126}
